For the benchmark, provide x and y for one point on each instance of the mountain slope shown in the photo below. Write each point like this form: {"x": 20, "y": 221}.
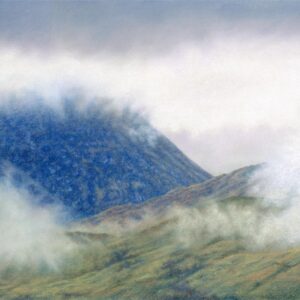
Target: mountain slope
{"x": 151, "y": 262}
{"x": 228, "y": 249}
{"x": 234, "y": 184}
{"x": 94, "y": 158}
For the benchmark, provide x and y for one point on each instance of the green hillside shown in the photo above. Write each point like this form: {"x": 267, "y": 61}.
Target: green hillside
{"x": 150, "y": 260}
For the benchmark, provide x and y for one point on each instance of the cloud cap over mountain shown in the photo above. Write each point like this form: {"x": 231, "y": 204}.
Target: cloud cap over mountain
{"x": 217, "y": 77}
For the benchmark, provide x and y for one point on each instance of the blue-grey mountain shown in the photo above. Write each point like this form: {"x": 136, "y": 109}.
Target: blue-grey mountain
{"x": 92, "y": 158}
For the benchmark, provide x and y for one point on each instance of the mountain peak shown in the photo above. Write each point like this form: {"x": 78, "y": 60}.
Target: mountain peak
{"x": 92, "y": 158}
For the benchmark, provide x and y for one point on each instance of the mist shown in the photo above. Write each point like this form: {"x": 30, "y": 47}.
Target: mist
{"x": 208, "y": 74}
{"x": 32, "y": 236}
{"x": 219, "y": 78}
{"x": 216, "y": 94}
{"x": 265, "y": 217}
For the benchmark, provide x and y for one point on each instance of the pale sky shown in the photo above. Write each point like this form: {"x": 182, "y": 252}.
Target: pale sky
{"x": 220, "y": 78}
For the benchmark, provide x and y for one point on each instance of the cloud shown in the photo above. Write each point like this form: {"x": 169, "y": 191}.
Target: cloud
{"x": 279, "y": 180}
{"x": 255, "y": 226}
{"x": 230, "y": 147}
{"x": 140, "y": 26}
{"x": 31, "y": 236}
{"x": 270, "y": 221}
{"x": 223, "y": 72}
{"x": 230, "y": 88}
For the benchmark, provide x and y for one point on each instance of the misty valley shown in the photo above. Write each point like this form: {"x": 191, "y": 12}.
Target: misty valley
{"x": 149, "y": 150}
{"x": 96, "y": 204}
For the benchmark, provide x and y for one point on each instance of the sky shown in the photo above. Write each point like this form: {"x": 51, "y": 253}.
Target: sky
{"x": 219, "y": 78}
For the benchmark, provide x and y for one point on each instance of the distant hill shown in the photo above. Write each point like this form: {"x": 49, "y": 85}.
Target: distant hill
{"x": 234, "y": 184}
{"x": 92, "y": 158}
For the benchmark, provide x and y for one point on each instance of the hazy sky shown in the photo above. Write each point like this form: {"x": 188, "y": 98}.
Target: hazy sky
{"x": 220, "y": 78}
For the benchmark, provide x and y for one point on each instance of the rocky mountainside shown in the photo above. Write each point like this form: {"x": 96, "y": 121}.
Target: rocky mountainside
{"x": 91, "y": 158}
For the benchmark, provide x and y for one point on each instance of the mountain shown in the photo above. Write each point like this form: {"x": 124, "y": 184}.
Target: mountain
{"x": 90, "y": 158}
{"x": 234, "y": 184}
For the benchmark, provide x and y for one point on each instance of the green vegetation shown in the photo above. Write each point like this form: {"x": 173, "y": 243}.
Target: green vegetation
{"x": 150, "y": 262}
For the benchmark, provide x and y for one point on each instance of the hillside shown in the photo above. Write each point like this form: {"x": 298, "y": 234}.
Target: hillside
{"x": 234, "y": 184}
{"x": 151, "y": 261}
{"x": 90, "y": 158}
{"x": 208, "y": 241}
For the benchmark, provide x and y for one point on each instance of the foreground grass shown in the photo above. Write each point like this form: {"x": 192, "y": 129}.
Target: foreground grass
{"x": 150, "y": 263}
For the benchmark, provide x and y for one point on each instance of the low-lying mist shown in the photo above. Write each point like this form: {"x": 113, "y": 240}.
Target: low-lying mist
{"x": 269, "y": 216}
{"x": 253, "y": 226}
{"x": 31, "y": 236}
{"x": 266, "y": 216}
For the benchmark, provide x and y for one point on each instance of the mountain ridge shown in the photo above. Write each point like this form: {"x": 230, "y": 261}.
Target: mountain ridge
{"x": 92, "y": 158}
{"x": 233, "y": 184}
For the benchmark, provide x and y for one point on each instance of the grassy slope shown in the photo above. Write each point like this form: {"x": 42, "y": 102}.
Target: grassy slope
{"x": 150, "y": 263}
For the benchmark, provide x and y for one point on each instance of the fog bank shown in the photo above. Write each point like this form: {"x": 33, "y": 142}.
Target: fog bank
{"x": 31, "y": 236}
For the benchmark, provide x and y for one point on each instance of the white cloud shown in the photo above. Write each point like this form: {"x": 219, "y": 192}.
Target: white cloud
{"x": 241, "y": 83}
{"x": 30, "y": 236}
